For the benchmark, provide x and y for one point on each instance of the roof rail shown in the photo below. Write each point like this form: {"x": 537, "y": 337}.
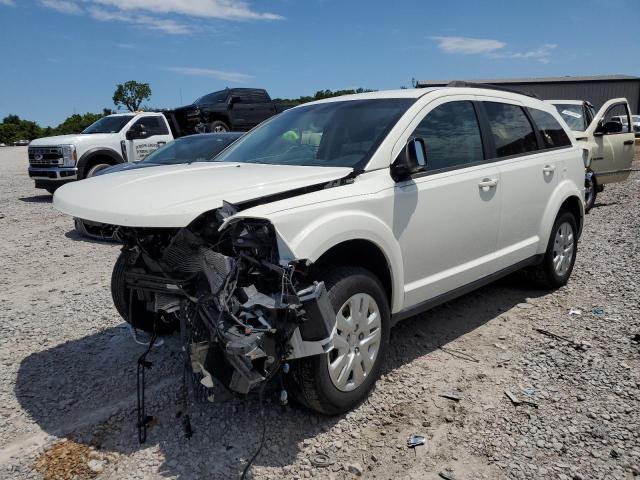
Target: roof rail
{"x": 462, "y": 83}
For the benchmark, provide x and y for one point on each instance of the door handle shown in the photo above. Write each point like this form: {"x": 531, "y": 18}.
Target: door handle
{"x": 488, "y": 183}
{"x": 628, "y": 142}
{"x": 548, "y": 169}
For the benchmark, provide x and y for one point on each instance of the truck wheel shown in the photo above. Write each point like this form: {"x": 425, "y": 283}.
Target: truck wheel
{"x": 143, "y": 319}
{"x": 590, "y": 191}
{"x": 336, "y": 382}
{"x": 51, "y": 190}
{"x": 218, "y": 127}
{"x": 556, "y": 267}
{"x": 95, "y": 169}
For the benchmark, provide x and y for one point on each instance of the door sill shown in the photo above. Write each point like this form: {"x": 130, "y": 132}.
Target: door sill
{"x": 458, "y": 292}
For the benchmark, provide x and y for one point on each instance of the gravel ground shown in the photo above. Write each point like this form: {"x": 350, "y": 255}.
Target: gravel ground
{"x": 68, "y": 372}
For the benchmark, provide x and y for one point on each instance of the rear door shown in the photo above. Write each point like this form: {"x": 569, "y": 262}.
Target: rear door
{"x": 526, "y": 145}
{"x": 612, "y": 153}
{"x": 251, "y": 108}
{"x": 446, "y": 219}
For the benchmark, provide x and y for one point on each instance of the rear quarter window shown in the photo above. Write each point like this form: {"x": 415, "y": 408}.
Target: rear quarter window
{"x": 550, "y": 130}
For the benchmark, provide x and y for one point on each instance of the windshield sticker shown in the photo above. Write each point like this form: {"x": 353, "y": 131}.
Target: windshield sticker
{"x": 571, "y": 114}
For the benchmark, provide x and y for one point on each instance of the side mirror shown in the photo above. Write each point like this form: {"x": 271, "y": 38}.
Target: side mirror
{"x": 609, "y": 127}
{"x": 411, "y": 160}
{"x": 135, "y": 132}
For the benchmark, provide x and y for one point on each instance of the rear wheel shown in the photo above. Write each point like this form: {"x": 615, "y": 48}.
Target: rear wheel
{"x": 218, "y": 126}
{"x": 142, "y": 318}
{"x": 336, "y": 382}
{"x": 560, "y": 256}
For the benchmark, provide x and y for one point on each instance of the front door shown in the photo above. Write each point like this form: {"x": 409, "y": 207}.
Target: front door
{"x": 612, "y": 152}
{"x": 154, "y": 134}
{"x": 446, "y": 219}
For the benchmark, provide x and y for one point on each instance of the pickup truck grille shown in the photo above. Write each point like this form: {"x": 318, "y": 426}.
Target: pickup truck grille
{"x": 45, "y": 156}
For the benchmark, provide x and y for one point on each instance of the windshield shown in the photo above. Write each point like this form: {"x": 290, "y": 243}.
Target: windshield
{"x": 334, "y": 134}
{"x": 195, "y": 148}
{"x": 635, "y": 118}
{"x": 215, "y": 97}
{"x": 573, "y": 115}
{"x": 111, "y": 124}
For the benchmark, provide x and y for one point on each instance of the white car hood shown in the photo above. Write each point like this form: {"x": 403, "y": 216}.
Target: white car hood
{"x": 73, "y": 139}
{"x": 174, "y": 195}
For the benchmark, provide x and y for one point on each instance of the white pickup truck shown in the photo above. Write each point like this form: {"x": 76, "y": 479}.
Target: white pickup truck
{"x": 118, "y": 138}
{"x": 608, "y": 138}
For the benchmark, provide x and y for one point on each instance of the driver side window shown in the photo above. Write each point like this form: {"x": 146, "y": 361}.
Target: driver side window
{"x": 451, "y": 135}
{"x": 618, "y": 113}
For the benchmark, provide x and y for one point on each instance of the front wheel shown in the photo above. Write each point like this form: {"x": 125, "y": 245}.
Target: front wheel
{"x": 336, "y": 382}
{"x": 135, "y": 313}
{"x": 95, "y": 169}
{"x": 590, "y": 190}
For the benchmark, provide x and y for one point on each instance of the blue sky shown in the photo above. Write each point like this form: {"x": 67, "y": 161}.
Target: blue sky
{"x": 61, "y": 56}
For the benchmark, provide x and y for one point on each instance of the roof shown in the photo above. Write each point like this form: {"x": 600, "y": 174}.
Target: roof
{"x": 593, "y": 78}
{"x": 400, "y": 93}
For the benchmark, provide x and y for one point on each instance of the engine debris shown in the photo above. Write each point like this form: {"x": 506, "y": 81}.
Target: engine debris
{"x": 238, "y": 305}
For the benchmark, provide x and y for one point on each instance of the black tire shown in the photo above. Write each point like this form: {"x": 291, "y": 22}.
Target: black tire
{"x": 590, "y": 191}
{"x": 311, "y": 384}
{"x": 144, "y": 319}
{"x": 545, "y": 274}
{"x": 91, "y": 170}
{"x": 218, "y": 126}
{"x": 51, "y": 190}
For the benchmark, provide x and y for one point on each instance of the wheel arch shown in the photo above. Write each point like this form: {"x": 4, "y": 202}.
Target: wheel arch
{"x": 368, "y": 243}
{"x": 566, "y": 196}
{"x": 90, "y": 156}
{"x": 360, "y": 253}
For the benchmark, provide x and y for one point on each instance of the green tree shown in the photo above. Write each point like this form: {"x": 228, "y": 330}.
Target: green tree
{"x": 131, "y": 94}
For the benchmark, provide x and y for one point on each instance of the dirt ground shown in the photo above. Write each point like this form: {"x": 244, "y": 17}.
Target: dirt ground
{"x": 68, "y": 363}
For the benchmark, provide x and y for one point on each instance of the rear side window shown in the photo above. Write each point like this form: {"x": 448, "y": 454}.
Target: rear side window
{"x": 511, "y": 130}
{"x": 451, "y": 135}
{"x": 550, "y": 130}
{"x": 153, "y": 125}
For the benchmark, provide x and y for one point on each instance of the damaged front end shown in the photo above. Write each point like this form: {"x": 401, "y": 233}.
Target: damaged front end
{"x": 243, "y": 313}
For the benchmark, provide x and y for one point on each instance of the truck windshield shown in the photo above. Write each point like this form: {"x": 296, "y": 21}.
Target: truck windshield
{"x": 573, "y": 115}
{"x": 111, "y": 124}
{"x": 333, "y": 134}
{"x": 194, "y": 148}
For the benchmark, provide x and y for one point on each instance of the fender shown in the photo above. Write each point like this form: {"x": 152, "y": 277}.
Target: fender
{"x": 93, "y": 152}
{"x": 328, "y": 230}
{"x": 564, "y": 190}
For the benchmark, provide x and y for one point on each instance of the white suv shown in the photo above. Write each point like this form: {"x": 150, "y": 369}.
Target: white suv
{"x": 298, "y": 248}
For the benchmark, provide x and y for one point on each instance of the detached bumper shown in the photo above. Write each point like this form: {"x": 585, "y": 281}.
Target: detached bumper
{"x": 52, "y": 176}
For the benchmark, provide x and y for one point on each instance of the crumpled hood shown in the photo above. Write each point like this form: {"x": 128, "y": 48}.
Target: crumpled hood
{"x": 174, "y": 195}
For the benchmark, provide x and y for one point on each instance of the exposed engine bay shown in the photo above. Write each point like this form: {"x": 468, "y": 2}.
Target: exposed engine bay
{"x": 242, "y": 312}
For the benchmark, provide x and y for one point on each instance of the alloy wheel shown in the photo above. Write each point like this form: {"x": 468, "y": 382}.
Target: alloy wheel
{"x": 563, "y": 246}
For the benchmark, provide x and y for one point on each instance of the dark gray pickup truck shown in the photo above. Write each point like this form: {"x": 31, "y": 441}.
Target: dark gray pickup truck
{"x": 231, "y": 109}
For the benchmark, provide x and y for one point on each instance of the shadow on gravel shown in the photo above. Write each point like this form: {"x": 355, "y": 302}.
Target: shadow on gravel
{"x": 86, "y": 388}
{"x": 76, "y": 236}
{"x": 47, "y": 198}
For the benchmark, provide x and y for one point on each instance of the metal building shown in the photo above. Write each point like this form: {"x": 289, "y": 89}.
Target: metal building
{"x": 595, "y": 89}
